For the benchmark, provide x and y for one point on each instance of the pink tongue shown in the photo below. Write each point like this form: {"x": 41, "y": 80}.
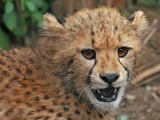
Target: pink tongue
{"x": 107, "y": 92}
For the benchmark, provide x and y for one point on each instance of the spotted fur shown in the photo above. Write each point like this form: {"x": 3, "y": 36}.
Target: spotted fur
{"x": 54, "y": 80}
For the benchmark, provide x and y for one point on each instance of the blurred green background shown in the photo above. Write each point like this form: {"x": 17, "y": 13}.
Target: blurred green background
{"x": 20, "y": 19}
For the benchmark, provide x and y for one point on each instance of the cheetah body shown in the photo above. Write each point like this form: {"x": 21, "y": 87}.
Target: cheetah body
{"x": 54, "y": 80}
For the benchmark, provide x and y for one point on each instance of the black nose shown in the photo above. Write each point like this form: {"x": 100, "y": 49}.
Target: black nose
{"x": 109, "y": 77}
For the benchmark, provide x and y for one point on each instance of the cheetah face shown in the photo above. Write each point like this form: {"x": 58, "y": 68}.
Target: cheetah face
{"x": 93, "y": 52}
{"x": 103, "y": 87}
{"x": 108, "y": 76}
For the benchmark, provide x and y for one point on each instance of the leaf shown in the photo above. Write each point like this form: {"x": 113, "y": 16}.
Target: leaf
{"x": 31, "y": 6}
{"x": 21, "y": 28}
{"x": 123, "y": 117}
{"x": 39, "y": 3}
{"x": 127, "y": 14}
{"x": 19, "y": 31}
{"x": 4, "y": 40}
{"x": 10, "y": 20}
{"x": 8, "y": 7}
{"x": 38, "y": 17}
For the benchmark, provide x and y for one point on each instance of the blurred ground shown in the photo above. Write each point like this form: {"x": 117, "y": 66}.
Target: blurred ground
{"x": 140, "y": 102}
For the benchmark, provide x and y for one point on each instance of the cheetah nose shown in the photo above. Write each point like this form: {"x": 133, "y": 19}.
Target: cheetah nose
{"x": 109, "y": 77}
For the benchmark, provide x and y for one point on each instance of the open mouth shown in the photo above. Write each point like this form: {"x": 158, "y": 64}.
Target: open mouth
{"x": 109, "y": 94}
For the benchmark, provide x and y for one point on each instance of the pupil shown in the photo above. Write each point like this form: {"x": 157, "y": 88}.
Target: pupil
{"x": 88, "y": 52}
{"x": 122, "y": 50}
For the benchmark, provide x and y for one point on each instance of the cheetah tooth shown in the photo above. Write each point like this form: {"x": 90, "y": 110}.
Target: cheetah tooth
{"x": 102, "y": 96}
{"x": 98, "y": 91}
{"x": 113, "y": 96}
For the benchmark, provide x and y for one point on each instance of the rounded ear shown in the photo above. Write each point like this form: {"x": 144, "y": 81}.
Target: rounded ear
{"x": 139, "y": 23}
{"x": 50, "y": 26}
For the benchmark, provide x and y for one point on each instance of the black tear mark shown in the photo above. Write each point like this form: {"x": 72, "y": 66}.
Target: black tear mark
{"x": 89, "y": 73}
{"x": 124, "y": 68}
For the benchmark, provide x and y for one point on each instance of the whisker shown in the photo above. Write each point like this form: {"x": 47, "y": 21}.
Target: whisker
{"x": 86, "y": 87}
{"x": 95, "y": 105}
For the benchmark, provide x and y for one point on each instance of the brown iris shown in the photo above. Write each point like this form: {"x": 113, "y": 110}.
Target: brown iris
{"x": 88, "y": 54}
{"x": 122, "y": 51}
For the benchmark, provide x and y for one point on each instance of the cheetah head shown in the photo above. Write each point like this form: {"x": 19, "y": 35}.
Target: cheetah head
{"x": 93, "y": 52}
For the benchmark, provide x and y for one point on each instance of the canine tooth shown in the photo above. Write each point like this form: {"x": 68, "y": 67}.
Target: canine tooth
{"x": 115, "y": 90}
{"x": 98, "y": 91}
{"x": 113, "y": 96}
{"x": 102, "y": 96}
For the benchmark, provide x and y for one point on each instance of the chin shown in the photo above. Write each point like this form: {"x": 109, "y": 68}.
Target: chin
{"x": 106, "y": 99}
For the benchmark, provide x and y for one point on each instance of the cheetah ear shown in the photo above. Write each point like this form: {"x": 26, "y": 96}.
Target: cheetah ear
{"x": 139, "y": 22}
{"x": 50, "y": 26}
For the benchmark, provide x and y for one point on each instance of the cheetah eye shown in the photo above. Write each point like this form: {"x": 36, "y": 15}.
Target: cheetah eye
{"x": 88, "y": 54}
{"x": 122, "y": 51}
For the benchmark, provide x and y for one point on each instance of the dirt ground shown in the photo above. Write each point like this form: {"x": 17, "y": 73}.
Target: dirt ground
{"x": 142, "y": 102}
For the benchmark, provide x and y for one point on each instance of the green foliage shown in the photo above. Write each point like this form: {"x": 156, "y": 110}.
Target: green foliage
{"x": 19, "y": 18}
{"x": 4, "y": 41}
{"x": 127, "y": 14}
{"x": 9, "y": 7}
{"x": 10, "y": 20}
{"x": 31, "y": 6}
{"x": 149, "y": 2}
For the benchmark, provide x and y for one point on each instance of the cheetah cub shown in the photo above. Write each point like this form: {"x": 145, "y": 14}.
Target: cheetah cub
{"x": 77, "y": 71}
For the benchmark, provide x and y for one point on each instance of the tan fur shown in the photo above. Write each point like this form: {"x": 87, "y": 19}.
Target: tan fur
{"x": 49, "y": 82}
